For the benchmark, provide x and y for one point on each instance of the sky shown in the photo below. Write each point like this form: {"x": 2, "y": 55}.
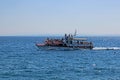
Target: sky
{"x": 57, "y": 17}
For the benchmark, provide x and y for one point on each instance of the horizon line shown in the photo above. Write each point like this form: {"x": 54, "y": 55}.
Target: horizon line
{"x": 61, "y": 35}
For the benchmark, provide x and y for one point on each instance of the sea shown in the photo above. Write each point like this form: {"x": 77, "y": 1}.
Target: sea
{"x": 20, "y": 59}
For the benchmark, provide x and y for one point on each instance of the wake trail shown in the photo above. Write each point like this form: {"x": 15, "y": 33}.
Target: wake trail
{"x": 106, "y": 48}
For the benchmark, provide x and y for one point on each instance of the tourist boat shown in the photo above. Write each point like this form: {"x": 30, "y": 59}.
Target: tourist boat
{"x": 68, "y": 42}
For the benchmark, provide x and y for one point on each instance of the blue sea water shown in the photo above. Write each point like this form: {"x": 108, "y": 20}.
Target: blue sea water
{"x": 20, "y": 59}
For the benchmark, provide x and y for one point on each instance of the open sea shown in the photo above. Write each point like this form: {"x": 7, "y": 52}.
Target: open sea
{"x": 20, "y": 59}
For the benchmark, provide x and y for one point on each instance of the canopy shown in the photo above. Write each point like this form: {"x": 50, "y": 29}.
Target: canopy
{"x": 80, "y": 39}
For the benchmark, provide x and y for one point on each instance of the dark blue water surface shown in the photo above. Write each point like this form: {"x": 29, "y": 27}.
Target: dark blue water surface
{"x": 20, "y": 59}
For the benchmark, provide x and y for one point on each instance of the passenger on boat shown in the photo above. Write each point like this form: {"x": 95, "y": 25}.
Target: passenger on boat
{"x": 66, "y": 38}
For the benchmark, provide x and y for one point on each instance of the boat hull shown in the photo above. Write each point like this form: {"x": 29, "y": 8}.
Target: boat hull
{"x": 45, "y": 47}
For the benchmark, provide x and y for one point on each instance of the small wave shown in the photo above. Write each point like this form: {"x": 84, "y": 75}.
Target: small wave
{"x": 106, "y": 48}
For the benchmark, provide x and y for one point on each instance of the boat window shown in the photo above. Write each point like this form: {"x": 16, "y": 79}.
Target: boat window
{"x": 81, "y": 42}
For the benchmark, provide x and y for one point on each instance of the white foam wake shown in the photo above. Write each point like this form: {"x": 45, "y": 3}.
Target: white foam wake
{"x": 106, "y": 48}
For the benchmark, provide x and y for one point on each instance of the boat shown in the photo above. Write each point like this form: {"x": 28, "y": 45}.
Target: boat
{"x": 68, "y": 42}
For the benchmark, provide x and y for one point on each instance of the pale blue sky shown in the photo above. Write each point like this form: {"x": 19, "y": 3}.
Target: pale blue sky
{"x": 39, "y": 17}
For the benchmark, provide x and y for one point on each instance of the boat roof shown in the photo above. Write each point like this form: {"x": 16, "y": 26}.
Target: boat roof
{"x": 80, "y": 39}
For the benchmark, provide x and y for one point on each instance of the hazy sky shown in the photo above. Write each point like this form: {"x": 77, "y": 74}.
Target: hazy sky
{"x": 38, "y": 17}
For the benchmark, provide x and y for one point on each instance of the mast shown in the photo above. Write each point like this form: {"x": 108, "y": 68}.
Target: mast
{"x": 75, "y": 32}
